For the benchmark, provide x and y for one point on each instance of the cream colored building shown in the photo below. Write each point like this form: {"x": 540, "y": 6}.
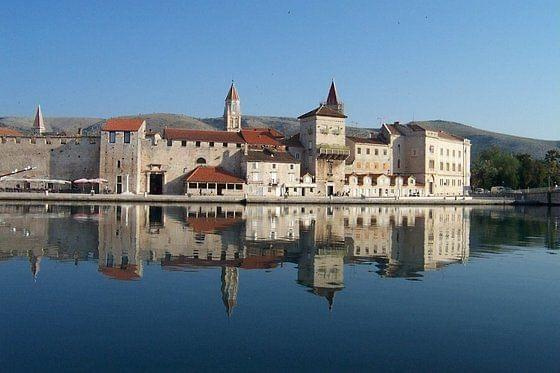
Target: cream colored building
{"x": 437, "y": 159}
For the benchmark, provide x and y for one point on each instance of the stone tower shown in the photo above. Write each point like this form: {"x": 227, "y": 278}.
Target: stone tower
{"x": 39, "y": 123}
{"x": 232, "y": 110}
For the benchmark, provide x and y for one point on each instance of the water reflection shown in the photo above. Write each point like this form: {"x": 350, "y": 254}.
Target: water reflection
{"x": 400, "y": 241}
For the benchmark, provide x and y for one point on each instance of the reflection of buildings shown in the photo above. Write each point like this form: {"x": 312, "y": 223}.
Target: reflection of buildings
{"x": 408, "y": 240}
{"x": 319, "y": 239}
{"x": 56, "y": 232}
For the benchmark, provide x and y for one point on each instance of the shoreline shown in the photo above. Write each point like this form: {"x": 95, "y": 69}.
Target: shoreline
{"x": 122, "y": 198}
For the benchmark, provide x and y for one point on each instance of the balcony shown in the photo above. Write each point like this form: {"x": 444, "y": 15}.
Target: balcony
{"x": 332, "y": 152}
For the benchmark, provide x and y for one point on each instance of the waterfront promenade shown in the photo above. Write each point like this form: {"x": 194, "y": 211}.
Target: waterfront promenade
{"x": 120, "y": 198}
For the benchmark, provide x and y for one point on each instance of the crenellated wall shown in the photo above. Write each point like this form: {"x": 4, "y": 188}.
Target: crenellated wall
{"x": 60, "y": 157}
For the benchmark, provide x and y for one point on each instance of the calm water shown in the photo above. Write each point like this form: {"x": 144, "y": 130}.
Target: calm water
{"x": 137, "y": 287}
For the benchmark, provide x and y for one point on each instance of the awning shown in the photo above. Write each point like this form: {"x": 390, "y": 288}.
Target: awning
{"x": 51, "y": 181}
{"x": 90, "y": 181}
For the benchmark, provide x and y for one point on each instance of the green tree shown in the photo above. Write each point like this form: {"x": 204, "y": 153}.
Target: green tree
{"x": 495, "y": 167}
{"x": 552, "y": 163}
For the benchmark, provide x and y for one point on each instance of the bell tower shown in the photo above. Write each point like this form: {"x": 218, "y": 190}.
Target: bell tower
{"x": 232, "y": 110}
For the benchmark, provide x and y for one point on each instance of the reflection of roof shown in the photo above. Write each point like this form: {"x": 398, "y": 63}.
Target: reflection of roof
{"x": 206, "y": 136}
{"x": 181, "y": 262}
{"x": 323, "y": 111}
{"x": 123, "y": 124}
{"x": 261, "y": 136}
{"x": 211, "y": 225}
{"x": 4, "y": 131}
{"x": 363, "y": 140}
{"x": 208, "y": 174}
{"x": 260, "y": 262}
{"x": 127, "y": 273}
{"x": 267, "y": 155}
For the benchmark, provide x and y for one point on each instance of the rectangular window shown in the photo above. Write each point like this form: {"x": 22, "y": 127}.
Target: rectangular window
{"x": 376, "y": 151}
{"x": 211, "y": 144}
{"x": 197, "y": 144}
{"x": 224, "y": 144}
{"x": 238, "y": 145}
{"x": 274, "y": 165}
{"x": 291, "y": 167}
{"x": 384, "y": 151}
{"x": 127, "y": 137}
{"x": 169, "y": 142}
{"x": 183, "y": 143}
{"x": 112, "y": 137}
{"x": 359, "y": 150}
{"x": 441, "y": 166}
{"x": 367, "y": 151}
{"x": 255, "y": 165}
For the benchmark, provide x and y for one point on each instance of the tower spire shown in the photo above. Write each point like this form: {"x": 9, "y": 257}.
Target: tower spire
{"x": 232, "y": 110}
{"x": 39, "y": 123}
{"x": 332, "y": 99}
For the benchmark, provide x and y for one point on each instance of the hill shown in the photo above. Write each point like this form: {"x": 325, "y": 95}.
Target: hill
{"x": 156, "y": 122}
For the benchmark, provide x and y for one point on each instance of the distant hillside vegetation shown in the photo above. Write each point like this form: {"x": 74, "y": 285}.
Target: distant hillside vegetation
{"x": 158, "y": 121}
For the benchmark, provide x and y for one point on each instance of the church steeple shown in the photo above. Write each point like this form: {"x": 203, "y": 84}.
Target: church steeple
{"x": 39, "y": 123}
{"x": 232, "y": 110}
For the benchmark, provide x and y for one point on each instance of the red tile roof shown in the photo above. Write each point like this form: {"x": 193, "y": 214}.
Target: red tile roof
{"x": 206, "y": 136}
{"x": 260, "y": 136}
{"x": 267, "y": 155}
{"x": 4, "y": 131}
{"x": 323, "y": 111}
{"x": 208, "y": 174}
{"x": 448, "y": 136}
{"x": 123, "y": 124}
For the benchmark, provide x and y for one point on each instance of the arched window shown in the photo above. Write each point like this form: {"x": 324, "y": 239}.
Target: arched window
{"x": 201, "y": 161}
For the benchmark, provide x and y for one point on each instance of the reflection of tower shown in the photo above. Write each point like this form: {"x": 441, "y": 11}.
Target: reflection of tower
{"x": 322, "y": 269}
{"x": 230, "y": 282}
{"x": 35, "y": 265}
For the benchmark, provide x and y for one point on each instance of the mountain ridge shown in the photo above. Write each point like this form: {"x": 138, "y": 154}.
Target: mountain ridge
{"x": 480, "y": 139}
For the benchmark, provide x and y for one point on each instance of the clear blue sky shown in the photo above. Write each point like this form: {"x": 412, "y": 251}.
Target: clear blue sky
{"x": 491, "y": 64}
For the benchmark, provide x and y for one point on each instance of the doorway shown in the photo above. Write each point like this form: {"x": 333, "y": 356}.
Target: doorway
{"x": 431, "y": 187}
{"x": 156, "y": 183}
{"x": 330, "y": 190}
{"x": 119, "y": 184}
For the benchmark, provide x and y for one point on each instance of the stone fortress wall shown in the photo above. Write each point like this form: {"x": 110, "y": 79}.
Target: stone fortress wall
{"x": 57, "y": 157}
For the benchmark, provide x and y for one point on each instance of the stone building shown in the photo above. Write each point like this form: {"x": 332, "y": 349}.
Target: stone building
{"x": 120, "y": 158}
{"x": 321, "y": 145}
{"x": 438, "y": 160}
{"x": 319, "y": 160}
